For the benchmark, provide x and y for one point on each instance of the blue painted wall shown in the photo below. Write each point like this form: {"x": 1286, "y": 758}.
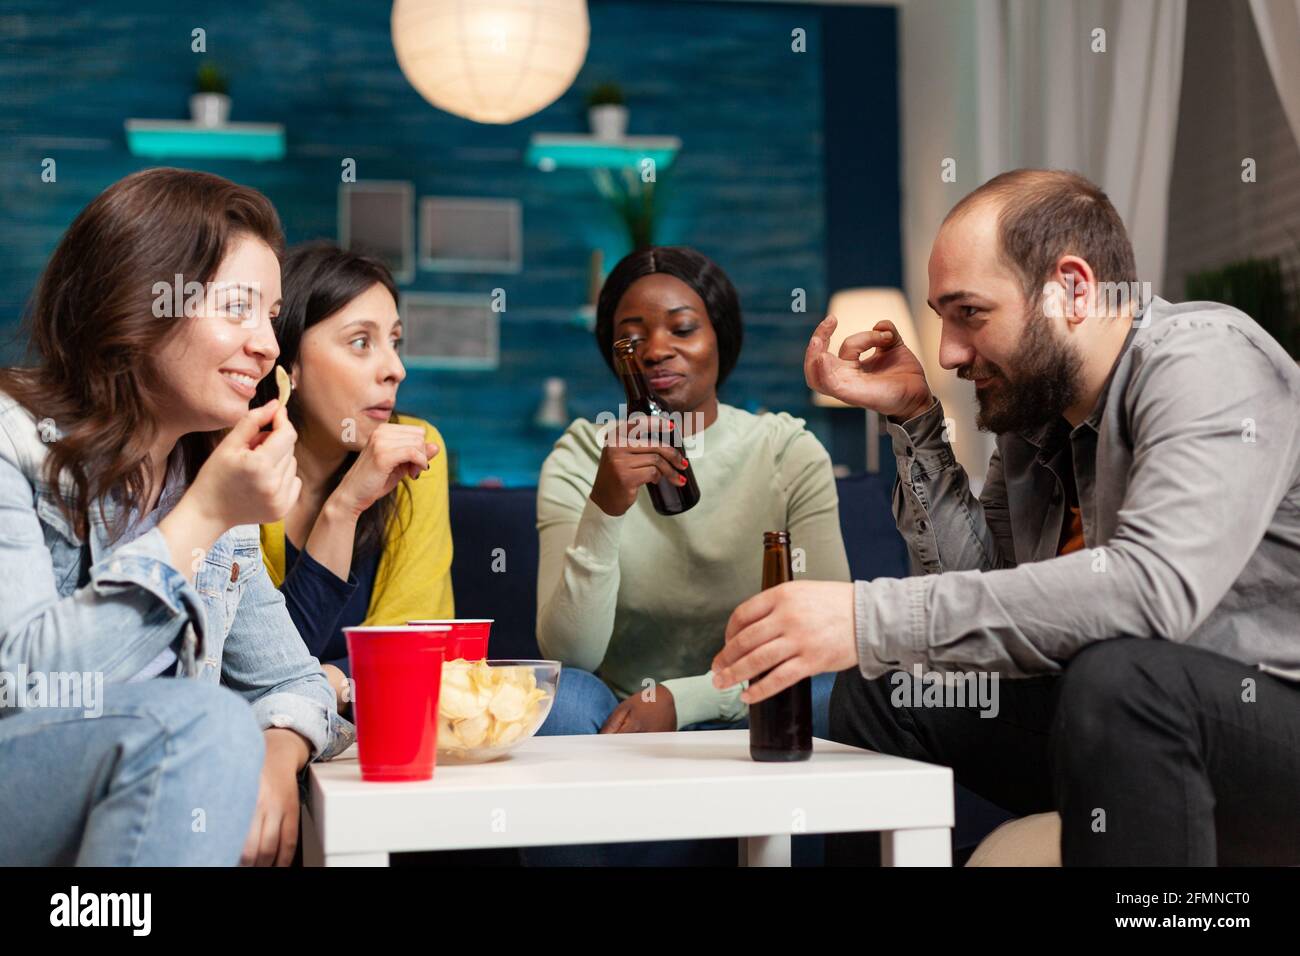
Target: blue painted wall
{"x": 788, "y": 175}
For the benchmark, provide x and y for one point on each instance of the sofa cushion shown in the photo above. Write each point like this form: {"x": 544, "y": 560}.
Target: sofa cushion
{"x": 871, "y": 539}
{"x": 494, "y": 565}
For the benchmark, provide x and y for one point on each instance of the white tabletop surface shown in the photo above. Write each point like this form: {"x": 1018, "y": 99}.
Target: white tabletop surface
{"x": 606, "y": 787}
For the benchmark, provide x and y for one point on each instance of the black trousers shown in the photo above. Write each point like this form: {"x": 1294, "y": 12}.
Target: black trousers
{"x": 1154, "y": 753}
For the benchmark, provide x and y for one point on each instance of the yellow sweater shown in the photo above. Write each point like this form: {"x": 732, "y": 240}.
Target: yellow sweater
{"x": 413, "y": 580}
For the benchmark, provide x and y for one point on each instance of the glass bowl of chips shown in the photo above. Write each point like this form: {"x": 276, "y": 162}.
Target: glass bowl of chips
{"x": 485, "y": 708}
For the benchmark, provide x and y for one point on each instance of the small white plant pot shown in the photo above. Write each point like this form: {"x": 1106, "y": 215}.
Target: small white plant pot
{"x": 210, "y": 109}
{"x": 608, "y": 121}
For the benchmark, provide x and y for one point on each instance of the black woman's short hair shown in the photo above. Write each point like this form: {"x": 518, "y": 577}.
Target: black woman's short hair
{"x": 695, "y": 269}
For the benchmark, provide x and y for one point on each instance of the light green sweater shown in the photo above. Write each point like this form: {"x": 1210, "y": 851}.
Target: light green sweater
{"x": 642, "y": 597}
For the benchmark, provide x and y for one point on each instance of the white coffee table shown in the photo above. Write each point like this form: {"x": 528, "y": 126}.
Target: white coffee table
{"x": 630, "y": 787}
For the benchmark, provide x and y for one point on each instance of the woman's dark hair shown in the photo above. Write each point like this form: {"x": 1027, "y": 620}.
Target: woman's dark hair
{"x": 700, "y": 273}
{"x": 317, "y": 280}
{"x": 93, "y": 332}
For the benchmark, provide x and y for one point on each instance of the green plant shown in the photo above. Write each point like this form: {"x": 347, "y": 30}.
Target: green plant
{"x": 1258, "y": 287}
{"x": 634, "y": 202}
{"x": 210, "y": 79}
{"x": 606, "y": 94}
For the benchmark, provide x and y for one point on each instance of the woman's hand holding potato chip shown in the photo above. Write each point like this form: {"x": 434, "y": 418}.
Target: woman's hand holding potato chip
{"x": 251, "y": 477}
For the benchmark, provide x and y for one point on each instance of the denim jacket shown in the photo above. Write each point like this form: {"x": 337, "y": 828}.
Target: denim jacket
{"x": 230, "y": 625}
{"x": 1188, "y": 477}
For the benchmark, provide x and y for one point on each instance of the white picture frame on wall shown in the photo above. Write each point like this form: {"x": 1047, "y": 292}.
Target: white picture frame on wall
{"x": 450, "y": 330}
{"x": 376, "y": 218}
{"x": 470, "y": 234}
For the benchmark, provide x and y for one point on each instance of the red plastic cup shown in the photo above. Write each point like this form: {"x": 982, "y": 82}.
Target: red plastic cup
{"x": 397, "y": 673}
{"x": 469, "y": 637}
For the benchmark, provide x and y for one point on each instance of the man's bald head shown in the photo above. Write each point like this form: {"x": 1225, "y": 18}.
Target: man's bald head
{"x": 1044, "y": 214}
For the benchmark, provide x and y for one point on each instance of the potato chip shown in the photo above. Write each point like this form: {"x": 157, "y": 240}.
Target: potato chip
{"x": 447, "y": 739}
{"x": 507, "y": 733}
{"x": 458, "y": 698}
{"x": 472, "y": 732}
{"x": 509, "y": 703}
{"x": 282, "y": 382}
{"x": 484, "y": 677}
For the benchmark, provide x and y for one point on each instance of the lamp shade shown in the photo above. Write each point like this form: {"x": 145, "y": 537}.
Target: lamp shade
{"x": 858, "y": 310}
{"x": 491, "y": 61}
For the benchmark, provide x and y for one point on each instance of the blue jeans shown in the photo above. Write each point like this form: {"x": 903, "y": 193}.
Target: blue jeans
{"x": 167, "y": 775}
{"x": 582, "y": 704}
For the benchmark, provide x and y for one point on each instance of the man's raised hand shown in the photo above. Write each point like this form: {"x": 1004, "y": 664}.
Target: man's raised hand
{"x": 889, "y": 380}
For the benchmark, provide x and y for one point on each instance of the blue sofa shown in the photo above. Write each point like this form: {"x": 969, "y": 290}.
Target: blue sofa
{"x": 494, "y": 575}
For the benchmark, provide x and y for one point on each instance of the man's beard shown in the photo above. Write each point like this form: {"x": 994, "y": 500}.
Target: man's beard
{"x": 1046, "y": 373}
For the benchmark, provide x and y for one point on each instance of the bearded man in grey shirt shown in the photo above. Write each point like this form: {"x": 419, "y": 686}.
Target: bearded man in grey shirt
{"x": 1133, "y": 559}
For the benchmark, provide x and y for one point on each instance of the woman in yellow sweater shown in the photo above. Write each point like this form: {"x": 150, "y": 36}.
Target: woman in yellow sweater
{"x": 369, "y": 540}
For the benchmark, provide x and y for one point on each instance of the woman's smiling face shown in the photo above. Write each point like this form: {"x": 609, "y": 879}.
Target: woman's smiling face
{"x": 676, "y": 343}
{"x": 213, "y": 362}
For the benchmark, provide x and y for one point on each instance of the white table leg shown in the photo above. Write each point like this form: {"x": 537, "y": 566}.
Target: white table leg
{"x": 765, "y": 850}
{"x": 928, "y": 847}
{"x": 313, "y": 854}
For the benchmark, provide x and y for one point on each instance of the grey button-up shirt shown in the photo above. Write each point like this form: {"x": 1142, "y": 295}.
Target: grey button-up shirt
{"x": 1188, "y": 476}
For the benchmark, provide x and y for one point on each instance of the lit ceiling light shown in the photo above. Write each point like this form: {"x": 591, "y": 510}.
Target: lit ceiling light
{"x": 491, "y": 61}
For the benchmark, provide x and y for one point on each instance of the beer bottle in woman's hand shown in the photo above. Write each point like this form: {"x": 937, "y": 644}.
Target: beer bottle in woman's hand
{"x": 671, "y": 494}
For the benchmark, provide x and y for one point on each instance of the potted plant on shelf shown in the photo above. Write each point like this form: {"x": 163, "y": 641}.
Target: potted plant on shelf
{"x": 607, "y": 111}
{"x": 210, "y": 104}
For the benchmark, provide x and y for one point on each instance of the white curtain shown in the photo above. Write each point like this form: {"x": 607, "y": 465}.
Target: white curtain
{"x": 1279, "y": 32}
{"x": 1000, "y": 84}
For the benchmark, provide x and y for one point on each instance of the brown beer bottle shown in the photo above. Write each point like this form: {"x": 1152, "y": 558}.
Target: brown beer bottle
{"x": 780, "y": 728}
{"x": 668, "y": 497}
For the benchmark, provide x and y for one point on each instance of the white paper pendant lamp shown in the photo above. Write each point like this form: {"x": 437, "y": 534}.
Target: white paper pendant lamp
{"x": 492, "y": 61}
